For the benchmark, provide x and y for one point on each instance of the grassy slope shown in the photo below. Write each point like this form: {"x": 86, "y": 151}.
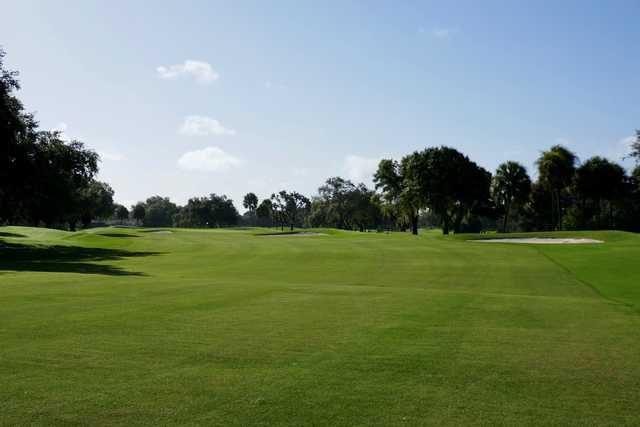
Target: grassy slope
{"x": 224, "y": 327}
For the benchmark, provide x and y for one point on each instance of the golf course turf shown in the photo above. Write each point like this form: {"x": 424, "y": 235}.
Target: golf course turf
{"x": 225, "y": 327}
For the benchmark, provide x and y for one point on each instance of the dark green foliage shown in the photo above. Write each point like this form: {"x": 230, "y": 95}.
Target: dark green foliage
{"x": 96, "y": 201}
{"x": 121, "y": 213}
{"x": 289, "y": 208}
{"x": 138, "y": 212}
{"x": 598, "y": 184}
{"x": 250, "y": 202}
{"x": 401, "y": 200}
{"x": 511, "y": 185}
{"x": 159, "y": 212}
{"x": 440, "y": 179}
{"x": 212, "y": 211}
{"x": 342, "y": 204}
{"x": 264, "y": 213}
{"x": 44, "y": 179}
{"x": 556, "y": 168}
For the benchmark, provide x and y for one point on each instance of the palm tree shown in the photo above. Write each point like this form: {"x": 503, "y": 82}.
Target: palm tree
{"x": 556, "y": 168}
{"x": 600, "y": 180}
{"x": 511, "y": 184}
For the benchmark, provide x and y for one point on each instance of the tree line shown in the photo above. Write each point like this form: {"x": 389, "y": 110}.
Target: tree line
{"x": 441, "y": 187}
{"x": 47, "y": 180}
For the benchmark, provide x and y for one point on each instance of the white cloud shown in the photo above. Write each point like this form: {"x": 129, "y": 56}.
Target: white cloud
{"x": 203, "y": 126}
{"x": 210, "y": 159}
{"x": 443, "y": 33}
{"x": 361, "y": 169}
{"x": 201, "y": 71}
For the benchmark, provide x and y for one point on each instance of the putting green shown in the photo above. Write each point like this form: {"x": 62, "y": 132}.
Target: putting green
{"x": 223, "y": 327}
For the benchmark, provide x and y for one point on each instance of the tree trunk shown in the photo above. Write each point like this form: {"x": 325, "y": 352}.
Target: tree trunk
{"x": 506, "y": 217}
{"x": 414, "y": 225}
{"x": 72, "y": 225}
{"x": 558, "y": 211}
{"x": 553, "y": 210}
{"x": 445, "y": 224}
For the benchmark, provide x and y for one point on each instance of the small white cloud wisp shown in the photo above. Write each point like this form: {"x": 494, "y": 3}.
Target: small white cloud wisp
{"x": 361, "y": 169}
{"x": 204, "y": 126}
{"x": 443, "y": 33}
{"x": 201, "y": 71}
{"x": 209, "y": 159}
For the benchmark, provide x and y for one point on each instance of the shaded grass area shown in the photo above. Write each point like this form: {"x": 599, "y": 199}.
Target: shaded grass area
{"x": 12, "y": 235}
{"x": 65, "y": 259}
{"x": 353, "y": 329}
{"x": 117, "y": 235}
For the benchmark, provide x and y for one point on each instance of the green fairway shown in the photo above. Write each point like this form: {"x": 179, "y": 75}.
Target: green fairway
{"x": 226, "y": 327}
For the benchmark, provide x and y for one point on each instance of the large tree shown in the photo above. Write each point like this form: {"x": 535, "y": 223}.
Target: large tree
{"x": 250, "y": 203}
{"x": 556, "y": 168}
{"x": 121, "y": 213}
{"x": 138, "y": 212}
{"x": 43, "y": 177}
{"x": 96, "y": 201}
{"x": 17, "y": 144}
{"x": 212, "y": 211}
{"x": 510, "y": 185}
{"x": 401, "y": 196}
{"x": 159, "y": 212}
{"x": 342, "y": 204}
{"x": 447, "y": 182}
{"x": 289, "y": 207}
{"x": 598, "y": 180}
{"x": 264, "y": 212}
{"x": 63, "y": 171}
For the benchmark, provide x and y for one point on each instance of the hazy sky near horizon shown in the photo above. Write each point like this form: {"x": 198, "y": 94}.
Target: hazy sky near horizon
{"x": 184, "y": 99}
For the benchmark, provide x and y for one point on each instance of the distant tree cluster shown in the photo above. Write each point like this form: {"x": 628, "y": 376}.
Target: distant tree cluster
{"x": 43, "y": 178}
{"x": 199, "y": 212}
{"x": 455, "y": 194}
{"x": 343, "y": 204}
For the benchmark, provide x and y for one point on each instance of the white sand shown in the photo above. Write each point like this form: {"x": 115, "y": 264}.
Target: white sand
{"x": 161, "y": 232}
{"x": 541, "y": 241}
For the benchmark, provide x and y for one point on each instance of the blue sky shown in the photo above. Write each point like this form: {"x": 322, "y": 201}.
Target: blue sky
{"x": 185, "y": 99}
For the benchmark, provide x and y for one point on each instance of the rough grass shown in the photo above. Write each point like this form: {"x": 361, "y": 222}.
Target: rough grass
{"x": 204, "y": 327}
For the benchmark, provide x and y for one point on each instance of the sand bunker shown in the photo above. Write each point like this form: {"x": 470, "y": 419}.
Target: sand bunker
{"x": 160, "y": 232}
{"x": 541, "y": 241}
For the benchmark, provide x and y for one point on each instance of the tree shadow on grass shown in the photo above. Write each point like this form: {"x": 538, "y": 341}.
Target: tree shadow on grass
{"x": 65, "y": 259}
{"x": 7, "y": 234}
{"x": 117, "y": 235}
